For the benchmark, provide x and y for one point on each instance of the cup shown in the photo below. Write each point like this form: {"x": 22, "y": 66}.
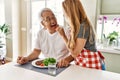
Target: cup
{"x": 52, "y": 68}
{"x": 105, "y": 42}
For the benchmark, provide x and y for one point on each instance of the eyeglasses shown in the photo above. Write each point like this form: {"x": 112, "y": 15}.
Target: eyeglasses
{"x": 48, "y": 19}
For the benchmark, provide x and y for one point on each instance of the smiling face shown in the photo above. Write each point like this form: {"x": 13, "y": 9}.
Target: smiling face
{"x": 49, "y": 21}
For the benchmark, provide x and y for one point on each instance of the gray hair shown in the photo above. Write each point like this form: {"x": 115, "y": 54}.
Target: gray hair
{"x": 42, "y": 11}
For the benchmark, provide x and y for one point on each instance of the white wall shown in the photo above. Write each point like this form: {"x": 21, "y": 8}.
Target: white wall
{"x": 110, "y": 7}
{"x": 16, "y": 37}
{"x": 23, "y": 19}
{"x": 12, "y": 18}
{"x": 90, "y": 8}
{"x": 16, "y": 17}
{"x": 2, "y": 19}
{"x": 8, "y": 20}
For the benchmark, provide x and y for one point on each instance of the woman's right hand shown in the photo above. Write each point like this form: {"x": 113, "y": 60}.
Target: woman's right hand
{"x": 60, "y": 30}
{"x": 22, "y": 60}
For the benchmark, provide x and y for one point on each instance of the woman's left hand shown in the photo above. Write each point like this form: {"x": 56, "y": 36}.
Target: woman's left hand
{"x": 63, "y": 63}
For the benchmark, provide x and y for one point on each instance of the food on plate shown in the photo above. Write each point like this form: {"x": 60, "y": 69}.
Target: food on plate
{"x": 45, "y": 62}
{"x": 49, "y": 60}
{"x": 39, "y": 62}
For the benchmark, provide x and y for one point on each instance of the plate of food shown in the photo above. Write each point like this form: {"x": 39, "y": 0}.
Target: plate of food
{"x": 43, "y": 63}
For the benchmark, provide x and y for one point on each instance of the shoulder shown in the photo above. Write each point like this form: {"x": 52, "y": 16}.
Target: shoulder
{"x": 41, "y": 32}
{"x": 83, "y": 31}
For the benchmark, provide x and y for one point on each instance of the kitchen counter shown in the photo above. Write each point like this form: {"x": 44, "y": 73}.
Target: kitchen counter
{"x": 11, "y": 72}
{"x": 110, "y": 50}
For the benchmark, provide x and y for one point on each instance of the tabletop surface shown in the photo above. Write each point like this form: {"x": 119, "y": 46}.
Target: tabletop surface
{"x": 10, "y": 72}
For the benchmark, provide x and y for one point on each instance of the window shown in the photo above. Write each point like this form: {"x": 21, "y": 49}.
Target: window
{"x": 107, "y": 26}
{"x": 37, "y": 6}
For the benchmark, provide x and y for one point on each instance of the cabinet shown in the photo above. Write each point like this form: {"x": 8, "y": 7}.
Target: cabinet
{"x": 112, "y": 61}
{"x": 2, "y": 53}
{"x": 2, "y": 49}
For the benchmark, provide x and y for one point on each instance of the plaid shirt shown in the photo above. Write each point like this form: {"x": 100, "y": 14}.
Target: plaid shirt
{"x": 89, "y": 59}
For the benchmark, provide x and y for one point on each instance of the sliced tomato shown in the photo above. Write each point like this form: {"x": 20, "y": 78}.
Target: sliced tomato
{"x": 41, "y": 64}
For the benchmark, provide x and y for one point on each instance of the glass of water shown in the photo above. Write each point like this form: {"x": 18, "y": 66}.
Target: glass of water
{"x": 52, "y": 68}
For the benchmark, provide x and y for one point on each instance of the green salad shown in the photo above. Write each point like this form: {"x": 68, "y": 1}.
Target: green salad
{"x": 49, "y": 60}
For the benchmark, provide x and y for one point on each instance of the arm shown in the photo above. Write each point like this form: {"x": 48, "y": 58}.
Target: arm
{"x": 80, "y": 42}
{"x": 35, "y": 53}
{"x": 69, "y": 58}
{"x": 65, "y": 62}
{"x": 60, "y": 30}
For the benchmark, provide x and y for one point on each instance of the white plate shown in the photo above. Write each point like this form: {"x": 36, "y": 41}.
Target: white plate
{"x": 33, "y": 63}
